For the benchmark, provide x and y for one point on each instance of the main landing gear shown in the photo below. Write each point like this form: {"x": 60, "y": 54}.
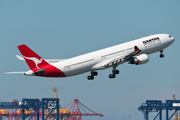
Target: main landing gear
{"x": 114, "y": 72}
{"x": 93, "y": 73}
{"x": 113, "y": 75}
{"x": 161, "y": 55}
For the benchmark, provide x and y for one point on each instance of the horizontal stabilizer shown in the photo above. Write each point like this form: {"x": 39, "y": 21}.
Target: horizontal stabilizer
{"x": 19, "y": 57}
{"x": 48, "y": 60}
{"x": 15, "y": 72}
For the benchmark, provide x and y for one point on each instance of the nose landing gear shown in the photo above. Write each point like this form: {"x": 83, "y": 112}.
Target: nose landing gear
{"x": 161, "y": 55}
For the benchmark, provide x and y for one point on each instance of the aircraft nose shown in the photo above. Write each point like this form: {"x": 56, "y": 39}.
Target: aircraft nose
{"x": 172, "y": 39}
{"x": 168, "y": 40}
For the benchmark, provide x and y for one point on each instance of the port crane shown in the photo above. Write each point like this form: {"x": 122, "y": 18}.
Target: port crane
{"x": 15, "y": 109}
{"x": 176, "y": 113}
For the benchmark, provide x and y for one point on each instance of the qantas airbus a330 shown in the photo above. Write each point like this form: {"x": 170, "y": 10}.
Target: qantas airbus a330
{"x": 134, "y": 52}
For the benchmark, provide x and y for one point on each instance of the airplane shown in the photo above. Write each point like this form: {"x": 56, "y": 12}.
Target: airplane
{"x": 134, "y": 52}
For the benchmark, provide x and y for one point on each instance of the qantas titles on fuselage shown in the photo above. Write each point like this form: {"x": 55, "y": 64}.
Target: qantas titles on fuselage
{"x": 133, "y": 52}
{"x": 151, "y": 40}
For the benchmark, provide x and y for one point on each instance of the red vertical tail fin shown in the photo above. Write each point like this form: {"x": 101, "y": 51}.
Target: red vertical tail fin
{"x": 32, "y": 59}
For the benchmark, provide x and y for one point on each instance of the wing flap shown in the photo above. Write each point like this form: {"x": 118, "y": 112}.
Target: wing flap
{"x": 117, "y": 60}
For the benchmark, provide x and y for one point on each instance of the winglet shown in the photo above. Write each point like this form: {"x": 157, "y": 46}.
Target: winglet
{"x": 136, "y": 51}
{"x": 136, "y": 48}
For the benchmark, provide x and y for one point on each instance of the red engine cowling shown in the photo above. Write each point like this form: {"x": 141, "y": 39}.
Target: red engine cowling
{"x": 141, "y": 59}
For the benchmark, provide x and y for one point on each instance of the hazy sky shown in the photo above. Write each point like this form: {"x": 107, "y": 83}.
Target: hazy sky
{"x": 61, "y": 29}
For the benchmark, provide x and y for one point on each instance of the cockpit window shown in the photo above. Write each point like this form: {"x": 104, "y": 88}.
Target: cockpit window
{"x": 169, "y": 36}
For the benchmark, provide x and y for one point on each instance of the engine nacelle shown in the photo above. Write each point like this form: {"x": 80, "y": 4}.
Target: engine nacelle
{"x": 141, "y": 59}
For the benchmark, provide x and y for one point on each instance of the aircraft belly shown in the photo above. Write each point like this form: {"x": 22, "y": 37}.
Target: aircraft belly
{"x": 77, "y": 68}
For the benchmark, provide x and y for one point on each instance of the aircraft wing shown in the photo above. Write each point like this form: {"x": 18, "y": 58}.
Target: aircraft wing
{"x": 48, "y": 60}
{"x": 122, "y": 59}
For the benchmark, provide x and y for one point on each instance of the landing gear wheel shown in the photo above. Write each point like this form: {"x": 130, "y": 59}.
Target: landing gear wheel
{"x": 116, "y": 71}
{"x": 161, "y": 55}
{"x": 95, "y": 73}
{"x": 112, "y": 75}
{"x": 90, "y": 77}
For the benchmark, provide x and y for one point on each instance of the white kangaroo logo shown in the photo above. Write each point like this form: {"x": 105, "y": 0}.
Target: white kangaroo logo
{"x": 35, "y": 60}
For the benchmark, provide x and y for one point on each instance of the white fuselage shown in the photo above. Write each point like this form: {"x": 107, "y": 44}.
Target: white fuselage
{"x": 97, "y": 60}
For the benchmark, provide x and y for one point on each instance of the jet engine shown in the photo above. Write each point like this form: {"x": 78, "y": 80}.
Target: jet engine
{"x": 141, "y": 59}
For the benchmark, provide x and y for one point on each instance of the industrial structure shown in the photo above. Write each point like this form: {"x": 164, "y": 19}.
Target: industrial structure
{"x": 35, "y": 109}
{"x": 49, "y": 108}
{"x": 29, "y": 108}
{"x": 176, "y": 113}
{"x": 45, "y": 109}
{"x": 75, "y": 110}
{"x": 158, "y": 106}
{"x": 55, "y": 92}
